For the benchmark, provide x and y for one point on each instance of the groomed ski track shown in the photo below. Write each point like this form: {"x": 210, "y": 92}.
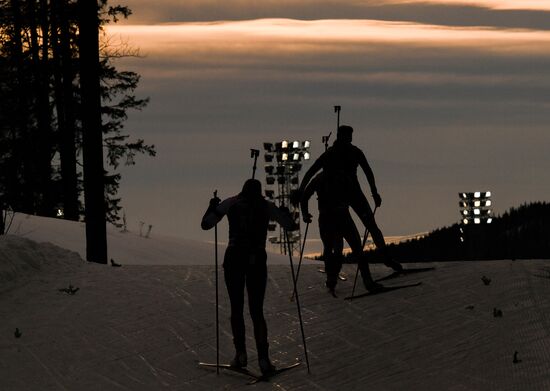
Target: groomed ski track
{"x": 146, "y": 327}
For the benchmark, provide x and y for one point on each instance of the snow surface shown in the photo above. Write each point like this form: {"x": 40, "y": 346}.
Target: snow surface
{"x": 145, "y": 327}
{"x": 128, "y": 248}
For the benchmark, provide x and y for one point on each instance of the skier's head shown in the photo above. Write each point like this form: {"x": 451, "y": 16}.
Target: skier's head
{"x": 252, "y": 189}
{"x": 344, "y": 133}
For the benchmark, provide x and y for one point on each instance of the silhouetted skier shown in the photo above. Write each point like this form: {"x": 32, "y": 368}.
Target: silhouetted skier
{"x": 335, "y": 224}
{"x": 244, "y": 263}
{"x": 340, "y": 163}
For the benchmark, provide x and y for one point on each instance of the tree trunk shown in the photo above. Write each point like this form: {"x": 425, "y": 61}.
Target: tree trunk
{"x": 42, "y": 139}
{"x": 94, "y": 197}
{"x": 22, "y": 186}
{"x": 64, "y": 97}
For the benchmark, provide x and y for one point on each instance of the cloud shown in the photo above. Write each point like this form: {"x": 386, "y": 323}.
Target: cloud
{"x": 538, "y": 5}
{"x": 498, "y": 13}
{"x": 438, "y": 109}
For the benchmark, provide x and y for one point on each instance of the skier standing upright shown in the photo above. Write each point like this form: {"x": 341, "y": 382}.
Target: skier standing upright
{"x": 244, "y": 263}
{"x": 339, "y": 163}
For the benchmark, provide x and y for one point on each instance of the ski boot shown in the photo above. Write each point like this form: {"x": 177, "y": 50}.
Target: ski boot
{"x": 390, "y": 262}
{"x": 331, "y": 286}
{"x": 240, "y": 360}
{"x": 266, "y": 366}
{"x": 369, "y": 283}
{"x": 373, "y": 287}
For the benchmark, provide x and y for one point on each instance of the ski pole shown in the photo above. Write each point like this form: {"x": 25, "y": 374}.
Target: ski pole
{"x": 337, "y": 111}
{"x": 297, "y": 298}
{"x": 254, "y": 153}
{"x": 216, "y": 278}
{"x": 300, "y": 263}
{"x": 365, "y": 237}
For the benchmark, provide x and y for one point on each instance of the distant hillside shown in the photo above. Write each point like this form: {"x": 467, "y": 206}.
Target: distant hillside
{"x": 520, "y": 233}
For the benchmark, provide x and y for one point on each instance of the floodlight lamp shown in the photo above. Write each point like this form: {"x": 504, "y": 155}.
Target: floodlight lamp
{"x": 461, "y": 239}
{"x": 477, "y": 220}
{"x": 489, "y": 220}
{"x": 284, "y": 144}
{"x": 306, "y": 155}
{"x": 477, "y": 203}
{"x": 269, "y": 169}
{"x": 268, "y": 157}
{"x": 465, "y": 212}
{"x": 477, "y": 212}
{"x": 268, "y": 147}
{"x": 296, "y": 156}
{"x": 488, "y": 203}
{"x": 477, "y": 194}
{"x": 306, "y": 144}
{"x": 461, "y": 230}
{"x": 465, "y": 221}
{"x": 295, "y": 144}
{"x": 488, "y": 194}
{"x": 59, "y": 212}
{"x": 464, "y": 195}
{"x": 285, "y": 156}
{"x": 462, "y": 204}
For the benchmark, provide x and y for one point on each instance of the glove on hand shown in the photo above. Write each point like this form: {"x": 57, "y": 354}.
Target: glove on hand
{"x": 377, "y": 199}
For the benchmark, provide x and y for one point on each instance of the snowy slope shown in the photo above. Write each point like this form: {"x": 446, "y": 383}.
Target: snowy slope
{"x": 127, "y": 248}
{"x": 144, "y": 327}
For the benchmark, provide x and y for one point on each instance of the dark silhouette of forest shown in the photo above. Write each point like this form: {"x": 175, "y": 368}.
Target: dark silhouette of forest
{"x": 63, "y": 104}
{"x": 520, "y": 233}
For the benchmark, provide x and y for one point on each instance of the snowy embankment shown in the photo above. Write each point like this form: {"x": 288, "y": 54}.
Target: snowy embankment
{"x": 127, "y": 248}
{"x": 21, "y": 259}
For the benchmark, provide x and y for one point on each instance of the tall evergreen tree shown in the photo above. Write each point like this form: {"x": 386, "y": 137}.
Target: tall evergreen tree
{"x": 92, "y": 138}
{"x": 56, "y": 87}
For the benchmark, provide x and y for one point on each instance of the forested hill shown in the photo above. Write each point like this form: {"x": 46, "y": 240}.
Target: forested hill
{"x": 520, "y": 233}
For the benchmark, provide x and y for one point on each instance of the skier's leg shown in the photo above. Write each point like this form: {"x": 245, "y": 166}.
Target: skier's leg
{"x": 256, "y": 281}
{"x": 327, "y": 231}
{"x": 361, "y": 206}
{"x": 354, "y": 240}
{"x": 234, "y": 281}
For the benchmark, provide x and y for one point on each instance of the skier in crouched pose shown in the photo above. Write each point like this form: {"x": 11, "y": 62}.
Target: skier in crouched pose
{"x": 335, "y": 225}
{"x": 340, "y": 162}
{"x": 244, "y": 263}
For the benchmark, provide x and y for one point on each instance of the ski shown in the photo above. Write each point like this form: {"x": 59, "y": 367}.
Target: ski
{"x": 405, "y": 272}
{"x": 276, "y": 372}
{"x": 383, "y": 290}
{"x": 242, "y": 371}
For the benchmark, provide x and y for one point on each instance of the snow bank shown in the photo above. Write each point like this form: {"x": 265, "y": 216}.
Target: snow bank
{"x": 127, "y": 248}
{"x": 21, "y": 258}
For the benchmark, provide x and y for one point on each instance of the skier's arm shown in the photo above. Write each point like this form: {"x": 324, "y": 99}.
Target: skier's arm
{"x": 304, "y": 201}
{"x": 280, "y": 215}
{"x": 370, "y": 177}
{"x": 216, "y": 211}
{"x": 307, "y": 177}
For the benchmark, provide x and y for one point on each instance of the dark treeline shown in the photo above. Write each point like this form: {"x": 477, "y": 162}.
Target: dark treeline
{"x": 520, "y": 233}
{"x": 41, "y": 112}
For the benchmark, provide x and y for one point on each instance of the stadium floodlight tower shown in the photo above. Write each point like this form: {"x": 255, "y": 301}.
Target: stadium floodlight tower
{"x": 475, "y": 207}
{"x": 476, "y": 214}
{"x": 283, "y": 162}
